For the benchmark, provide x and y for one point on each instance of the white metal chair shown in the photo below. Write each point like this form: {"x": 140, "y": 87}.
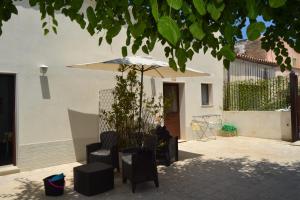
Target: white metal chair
{"x": 206, "y": 126}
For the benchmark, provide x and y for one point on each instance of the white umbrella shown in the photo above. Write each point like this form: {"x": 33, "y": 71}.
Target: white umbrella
{"x": 145, "y": 65}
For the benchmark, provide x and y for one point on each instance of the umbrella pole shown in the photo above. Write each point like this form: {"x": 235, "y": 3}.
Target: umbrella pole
{"x": 141, "y": 99}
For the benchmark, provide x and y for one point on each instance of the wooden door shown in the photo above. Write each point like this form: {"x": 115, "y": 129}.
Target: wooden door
{"x": 172, "y": 108}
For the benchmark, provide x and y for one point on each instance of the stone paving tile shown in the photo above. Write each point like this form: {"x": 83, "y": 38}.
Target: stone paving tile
{"x": 224, "y": 169}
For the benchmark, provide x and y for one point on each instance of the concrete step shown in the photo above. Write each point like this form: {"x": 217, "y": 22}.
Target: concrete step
{"x": 8, "y": 169}
{"x": 297, "y": 143}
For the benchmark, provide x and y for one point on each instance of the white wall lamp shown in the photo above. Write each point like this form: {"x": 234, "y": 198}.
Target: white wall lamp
{"x": 43, "y": 69}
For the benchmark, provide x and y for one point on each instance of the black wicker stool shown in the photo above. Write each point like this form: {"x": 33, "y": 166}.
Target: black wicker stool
{"x": 93, "y": 178}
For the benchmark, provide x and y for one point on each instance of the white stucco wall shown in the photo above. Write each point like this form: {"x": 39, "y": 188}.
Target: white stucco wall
{"x": 261, "y": 124}
{"x": 241, "y": 70}
{"x": 55, "y": 130}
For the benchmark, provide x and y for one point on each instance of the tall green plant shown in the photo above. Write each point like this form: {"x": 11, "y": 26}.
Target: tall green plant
{"x": 124, "y": 114}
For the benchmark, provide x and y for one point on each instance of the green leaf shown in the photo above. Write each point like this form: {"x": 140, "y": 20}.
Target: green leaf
{"x": 228, "y": 53}
{"x": 288, "y": 61}
{"x": 214, "y": 12}
{"x": 200, "y": 6}
{"x": 186, "y": 8}
{"x": 153, "y": 39}
{"x": 138, "y": 2}
{"x": 190, "y": 54}
{"x": 138, "y": 29}
{"x": 33, "y": 2}
{"x": 50, "y": 10}
{"x": 80, "y": 20}
{"x": 46, "y": 31}
{"x": 205, "y": 49}
{"x": 252, "y": 10}
{"x": 169, "y": 30}
{"x": 172, "y": 64}
{"x": 136, "y": 45}
{"x": 276, "y": 51}
{"x": 114, "y": 30}
{"x": 76, "y": 4}
{"x": 108, "y": 39}
{"x": 282, "y": 67}
{"x": 58, "y": 4}
{"x": 279, "y": 59}
{"x": 297, "y": 46}
{"x": 196, "y": 46}
{"x": 128, "y": 40}
{"x": 176, "y": 4}
{"x": 13, "y": 9}
{"x": 91, "y": 16}
{"x": 54, "y": 29}
{"x": 181, "y": 58}
{"x": 197, "y": 30}
{"x": 145, "y": 49}
{"x": 100, "y": 41}
{"x": 267, "y": 13}
{"x": 255, "y": 29}
{"x": 226, "y": 64}
{"x": 276, "y": 3}
{"x": 124, "y": 51}
{"x": 154, "y": 9}
{"x": 134, "y": 48}
{"x": 91, "y": 29}
{"x": 192, "y": 17}
{"x": 44, "y": 24}
{"x": 167, "y": 51}
{"x": 54, "y": 21}
{"x": 229, "y": 32}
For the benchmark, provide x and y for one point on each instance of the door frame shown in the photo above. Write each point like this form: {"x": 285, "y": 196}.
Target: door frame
{"x": 178, "y": 102}
{"x": 14, "y": 124}
{"x": 295, "y": 107}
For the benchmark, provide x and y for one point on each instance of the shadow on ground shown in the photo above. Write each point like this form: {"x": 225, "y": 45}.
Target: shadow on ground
{"x": 195, "y": 178}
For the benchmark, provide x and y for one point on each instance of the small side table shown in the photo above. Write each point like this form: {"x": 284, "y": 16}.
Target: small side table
{"x": 94, "y": 178}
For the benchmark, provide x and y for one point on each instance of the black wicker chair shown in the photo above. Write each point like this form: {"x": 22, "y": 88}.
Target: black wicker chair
{"x": 139, "y": 164}
{"x": 105, "y": 151}
{"x": 167, "y": 149}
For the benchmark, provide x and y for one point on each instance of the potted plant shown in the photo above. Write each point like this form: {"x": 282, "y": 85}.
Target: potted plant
{"x": 124, "y": 113}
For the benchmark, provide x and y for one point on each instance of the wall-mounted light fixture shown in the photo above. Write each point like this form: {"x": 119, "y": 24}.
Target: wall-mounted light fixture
{"x": 43, "y": 69}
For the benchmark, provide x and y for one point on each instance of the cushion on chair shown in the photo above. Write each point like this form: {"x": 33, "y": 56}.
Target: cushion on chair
{"x": 127, "y": 159}
{"x": 101, "y": 152}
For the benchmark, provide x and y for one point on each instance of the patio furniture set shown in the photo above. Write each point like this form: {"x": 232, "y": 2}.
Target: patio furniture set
{"x": 139, "y": 164}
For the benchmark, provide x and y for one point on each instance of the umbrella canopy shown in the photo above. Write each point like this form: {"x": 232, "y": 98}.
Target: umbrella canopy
{"x": 147, "y": 65}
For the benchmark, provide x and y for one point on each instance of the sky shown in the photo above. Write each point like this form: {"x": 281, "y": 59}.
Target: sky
{"x": 260, "y": 19}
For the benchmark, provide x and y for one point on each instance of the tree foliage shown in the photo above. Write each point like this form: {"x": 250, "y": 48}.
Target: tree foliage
{"x": 183, "y": 26}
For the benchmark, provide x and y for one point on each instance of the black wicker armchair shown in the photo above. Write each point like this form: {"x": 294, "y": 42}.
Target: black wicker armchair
{"x": 167, "y": 148}
{"x": 139, "y": 164}
{"x": 105, "y": 151}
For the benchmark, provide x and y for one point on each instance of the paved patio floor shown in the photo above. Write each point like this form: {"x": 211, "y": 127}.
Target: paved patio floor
{"x": 227, "y": 168}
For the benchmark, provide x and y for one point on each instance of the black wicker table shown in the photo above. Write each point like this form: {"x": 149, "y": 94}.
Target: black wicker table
{"x": 93, "y": 178}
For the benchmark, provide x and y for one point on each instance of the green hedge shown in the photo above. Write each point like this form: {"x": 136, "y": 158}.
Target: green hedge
{"x": 266, "y": 94}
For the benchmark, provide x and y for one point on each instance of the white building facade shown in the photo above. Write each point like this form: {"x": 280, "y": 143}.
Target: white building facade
{"x": 56, "y": 114}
